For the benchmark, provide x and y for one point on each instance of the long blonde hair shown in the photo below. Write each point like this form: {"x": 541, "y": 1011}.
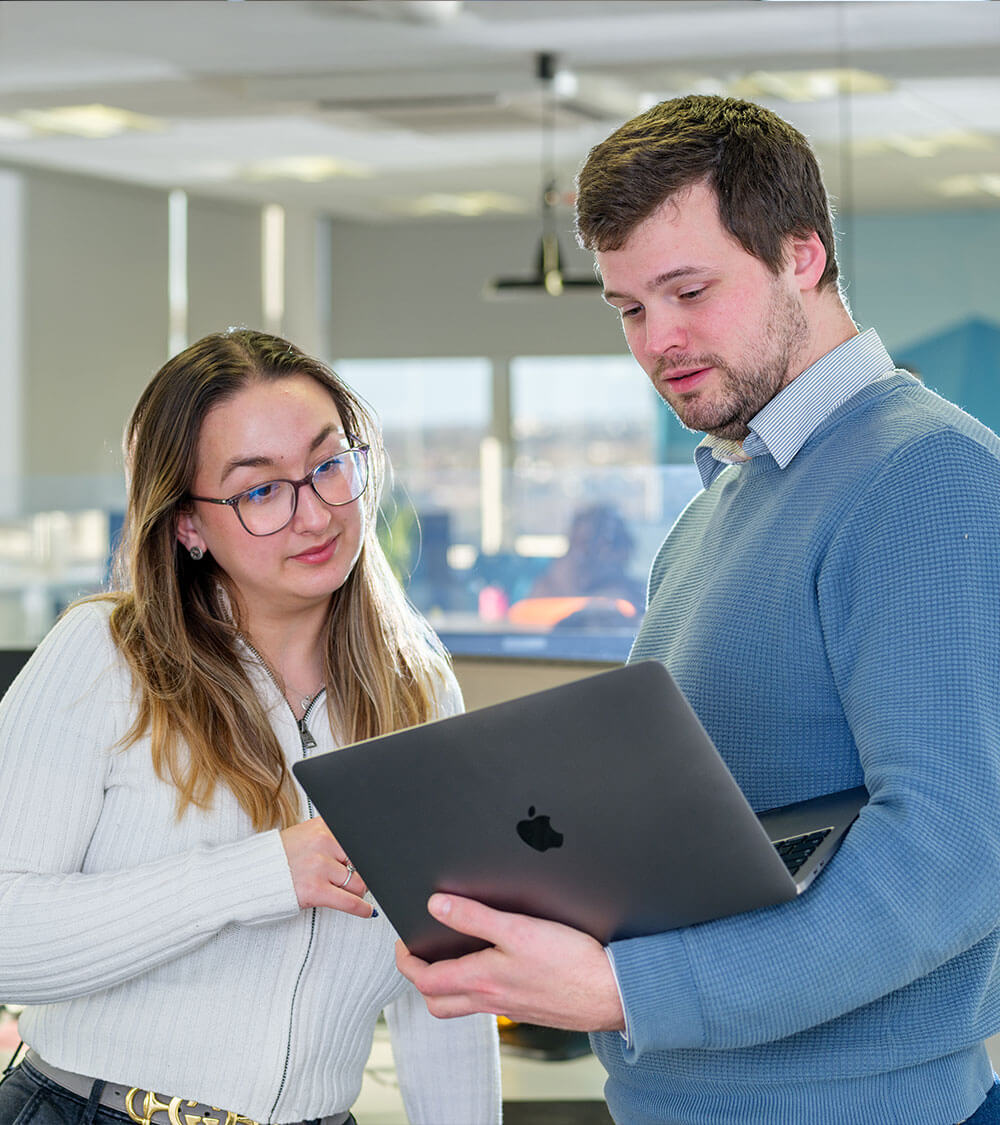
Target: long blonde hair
{"x": 176, "y": 620}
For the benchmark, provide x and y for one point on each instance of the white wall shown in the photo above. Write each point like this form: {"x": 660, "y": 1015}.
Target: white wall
{"x": 416, "y": 289}
{"x": 84, "y": 317}
{"x": 304, "y": 291}
{"x": 11, "y": 337}
{"x": 94, "y": 307}
{"x": 224, "y": 255}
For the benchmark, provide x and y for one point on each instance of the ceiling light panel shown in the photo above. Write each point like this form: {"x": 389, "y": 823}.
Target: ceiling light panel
{"x": 970, "y": 185}
{"x": 13, "y": 130}
{"x": 93, "y": 121}
{"x": 306, "y": 169}
{"x": 924, "y": 146}
{"x": 469, "y": 204}
{"x": 808, "y": 85}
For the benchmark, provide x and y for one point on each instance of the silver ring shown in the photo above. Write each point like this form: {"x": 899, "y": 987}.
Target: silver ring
{"x": 350, "y": 871}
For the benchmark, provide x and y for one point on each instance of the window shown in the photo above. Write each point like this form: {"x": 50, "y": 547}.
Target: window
{"x": 526, "y": 501}
{"x": 435, "y": 416}
{"x": 47, "y": 560}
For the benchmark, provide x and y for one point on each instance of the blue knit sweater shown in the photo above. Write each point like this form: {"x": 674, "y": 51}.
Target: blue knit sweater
{"x": 833, "y": 623}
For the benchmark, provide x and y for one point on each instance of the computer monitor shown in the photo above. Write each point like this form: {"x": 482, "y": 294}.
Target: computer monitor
{"x": 12, "y": 660}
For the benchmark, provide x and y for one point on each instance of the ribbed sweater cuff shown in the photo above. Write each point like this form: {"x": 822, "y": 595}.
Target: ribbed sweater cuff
{"x": 262, "y": 868}
{"x": 661, "y": 1003}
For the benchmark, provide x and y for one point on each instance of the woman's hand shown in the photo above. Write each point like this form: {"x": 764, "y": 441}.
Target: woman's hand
{"x": 320, "y": 872}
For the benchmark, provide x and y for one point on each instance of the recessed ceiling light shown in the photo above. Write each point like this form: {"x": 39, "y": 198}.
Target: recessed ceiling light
{"x": 308, "y": 169}
{"x": 11, "y": 130}
{"x": 808, "y": 85}
{"x": 405, "y": 11}
{"x": 468, "y": 204}
{"x": 971, "y": 184}
{"x": 92, "y": 121}
{"x": 930, "y": 144}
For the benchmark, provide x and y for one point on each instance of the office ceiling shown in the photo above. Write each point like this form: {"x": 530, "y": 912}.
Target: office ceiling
{"x": 383, "y": 110}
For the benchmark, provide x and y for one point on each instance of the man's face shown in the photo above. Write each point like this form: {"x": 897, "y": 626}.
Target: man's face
{"x": 715, "y": 330}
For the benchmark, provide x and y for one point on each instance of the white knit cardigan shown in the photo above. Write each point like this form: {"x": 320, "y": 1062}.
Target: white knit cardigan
{"x": 172, "y": 954}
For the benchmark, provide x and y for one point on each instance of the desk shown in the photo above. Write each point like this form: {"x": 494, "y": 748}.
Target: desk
{"x": 524, "y": 1079}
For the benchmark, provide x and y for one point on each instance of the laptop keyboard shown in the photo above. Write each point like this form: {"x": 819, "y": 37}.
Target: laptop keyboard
{"x": 795, "y": 850}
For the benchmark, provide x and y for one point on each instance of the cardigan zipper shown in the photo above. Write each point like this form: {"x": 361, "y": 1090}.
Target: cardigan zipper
{"x": 305, "y": 735}
{"x": 307, "y": 743}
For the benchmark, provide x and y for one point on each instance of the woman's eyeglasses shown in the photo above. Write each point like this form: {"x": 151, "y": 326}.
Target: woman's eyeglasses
{"x": 267, "y": 508}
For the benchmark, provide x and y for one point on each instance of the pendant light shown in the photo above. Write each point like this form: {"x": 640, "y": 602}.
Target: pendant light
{"x": 549, "y": 278}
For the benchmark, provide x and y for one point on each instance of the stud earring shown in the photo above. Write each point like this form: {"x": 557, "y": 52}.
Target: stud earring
{"x": 196, "y": 553}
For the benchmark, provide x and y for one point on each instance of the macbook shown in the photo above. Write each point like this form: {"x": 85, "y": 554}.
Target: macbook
{"x": 601, "y": 803}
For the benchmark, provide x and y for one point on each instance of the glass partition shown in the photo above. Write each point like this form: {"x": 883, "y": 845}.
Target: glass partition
{"x": 48, "y": 559}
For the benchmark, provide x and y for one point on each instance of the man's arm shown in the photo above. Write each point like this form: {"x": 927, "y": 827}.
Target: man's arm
{"x": 535, "y": 971}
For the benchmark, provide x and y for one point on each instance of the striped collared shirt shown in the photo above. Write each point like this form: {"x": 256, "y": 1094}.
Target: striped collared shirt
{"x": 784, "y": 424}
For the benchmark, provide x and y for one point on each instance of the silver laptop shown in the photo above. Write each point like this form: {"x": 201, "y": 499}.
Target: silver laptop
{"x": 600, "y": 803}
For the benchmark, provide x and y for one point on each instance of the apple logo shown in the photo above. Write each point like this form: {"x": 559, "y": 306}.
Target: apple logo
{"x": 537, "y": 833}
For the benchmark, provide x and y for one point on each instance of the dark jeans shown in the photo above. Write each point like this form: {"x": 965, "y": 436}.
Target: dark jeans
{"x": 29, "y": 1098}
{"x": 989, "y": 1112}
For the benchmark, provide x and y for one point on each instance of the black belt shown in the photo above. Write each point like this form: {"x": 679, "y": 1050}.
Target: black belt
{"x": 145, "y": 1107}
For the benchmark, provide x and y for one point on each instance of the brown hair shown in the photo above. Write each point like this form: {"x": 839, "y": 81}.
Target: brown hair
{"x": 764, "y": 174}
{"x": 176, "y": 621}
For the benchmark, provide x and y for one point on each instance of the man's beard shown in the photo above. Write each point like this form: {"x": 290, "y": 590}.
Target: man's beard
{"x": 745, "y": 389}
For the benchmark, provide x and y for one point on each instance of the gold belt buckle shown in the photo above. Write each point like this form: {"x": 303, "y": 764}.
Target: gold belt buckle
{"x": 151, "y": 1105}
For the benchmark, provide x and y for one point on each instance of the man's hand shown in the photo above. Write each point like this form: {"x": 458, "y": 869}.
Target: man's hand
{"x": 537, "y": 971}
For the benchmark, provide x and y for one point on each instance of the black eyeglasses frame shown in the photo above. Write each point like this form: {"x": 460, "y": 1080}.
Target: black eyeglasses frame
{"x": 233, "y": 501}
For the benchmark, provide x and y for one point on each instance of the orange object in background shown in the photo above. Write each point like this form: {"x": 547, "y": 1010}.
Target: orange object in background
{"x": 543, "y": 613}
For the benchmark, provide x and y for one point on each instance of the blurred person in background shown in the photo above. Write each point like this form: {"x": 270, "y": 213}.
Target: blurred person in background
{"x": 596, "y": 564}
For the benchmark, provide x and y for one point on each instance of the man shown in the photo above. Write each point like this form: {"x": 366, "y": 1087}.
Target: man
{"x": 830, "y": 605}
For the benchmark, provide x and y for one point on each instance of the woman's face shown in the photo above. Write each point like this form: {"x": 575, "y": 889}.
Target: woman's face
{"x": 269, "y": 431}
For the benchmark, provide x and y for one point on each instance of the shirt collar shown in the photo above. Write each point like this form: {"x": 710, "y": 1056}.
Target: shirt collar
{"x": 783, "y": 425}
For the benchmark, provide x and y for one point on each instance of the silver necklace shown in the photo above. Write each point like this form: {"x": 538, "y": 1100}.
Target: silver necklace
{"x": 308, "y": 700}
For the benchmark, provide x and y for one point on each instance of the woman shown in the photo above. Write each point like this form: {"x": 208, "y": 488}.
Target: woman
{"x": 189, "y": 946}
